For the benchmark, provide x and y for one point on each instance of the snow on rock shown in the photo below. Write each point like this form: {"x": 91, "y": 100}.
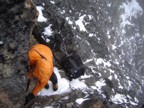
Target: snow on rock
{"x": 69, "y": 21}
{"x": 98, "y": 85}
{"x": 88, "y": 60}
{"x": 131, "y": 9}
{"x": 1, "y": 42}
{"x": 48, "y": 107}
{"x": 48, "y": 31}
{"x": 77, "y": 84}
{"x": 102, "y": 61}
{"x": 64, "y": 85}
{"x": 80, "y": 100}
{"x": 41, "y": 18}
{"x": 53, "y": 2}
{"x": 80, "y": 23}
{"x": 119, "y": 99}
{"x": 86, "y": 76}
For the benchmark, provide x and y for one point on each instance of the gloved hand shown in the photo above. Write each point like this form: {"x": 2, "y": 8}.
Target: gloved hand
{"x": 28, "y": 98}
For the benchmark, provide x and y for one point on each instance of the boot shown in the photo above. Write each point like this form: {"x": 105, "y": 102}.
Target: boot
{"x": 55, "y": 87}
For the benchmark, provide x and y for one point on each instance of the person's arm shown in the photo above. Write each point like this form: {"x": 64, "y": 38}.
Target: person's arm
{"x": 39, "y": 86}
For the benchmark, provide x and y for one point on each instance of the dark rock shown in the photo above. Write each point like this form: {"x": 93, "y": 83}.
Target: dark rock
{"x": 17, "y": 19}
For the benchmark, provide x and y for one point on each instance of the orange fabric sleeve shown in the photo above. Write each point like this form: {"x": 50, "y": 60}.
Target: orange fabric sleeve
{"x": 39, "y": 86}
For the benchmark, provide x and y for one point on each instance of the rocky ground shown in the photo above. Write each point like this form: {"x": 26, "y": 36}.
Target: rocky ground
{"x": 108, "y": 35}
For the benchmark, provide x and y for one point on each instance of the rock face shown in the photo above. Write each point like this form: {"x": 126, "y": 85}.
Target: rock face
{"x": 108, "y": 37}
{"x": 17, "y": 19}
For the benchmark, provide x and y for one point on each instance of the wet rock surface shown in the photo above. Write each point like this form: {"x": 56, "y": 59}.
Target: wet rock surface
{"x": 111, "y": 50}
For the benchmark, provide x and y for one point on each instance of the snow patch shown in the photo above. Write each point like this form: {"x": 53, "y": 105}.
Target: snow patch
{"x": 90, "y": 17}
{"x": 48, "y": 107}
{"x": 81, "y": 100}
{"x": 62, "y": 12}
{"x": 99, "y": 84}
{"x": 110, "y": 77}
{"x": 88, "y": 60}
{"x": 119, "y": 99}
{"x": 102, "y": 61}
{"x": 113, "y": 47}
{"x": 69, "y": 21}
{"x": 41, "y": 18}
{"x": 109, "y": 5}
{"x": 108, "y": 34}
{"x": 77, "y": 84}
{"x": 52, "y": 2}
{"x": 80, "y": 23}
{"x": 1, "y": 42}
{"x": 64, "y": 85}
{"x": 48, "y": 31}
{"x": 86, "y": 76}
{"x": 131, "y": 9}
{"x": 91, "y": 35}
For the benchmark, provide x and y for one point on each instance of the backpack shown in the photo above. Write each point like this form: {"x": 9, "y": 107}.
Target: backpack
{"x": 73, "y": 65}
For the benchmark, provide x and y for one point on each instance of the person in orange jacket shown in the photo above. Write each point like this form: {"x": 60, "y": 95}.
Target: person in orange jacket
{"x": 41, "y": 67}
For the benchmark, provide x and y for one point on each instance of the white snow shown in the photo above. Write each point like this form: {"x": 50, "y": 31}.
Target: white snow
{"x": 108, "y": 34}
{"x": 48, "y": 31}
{"x": 64, "y": 85}
{"x": 94, "y": 87}
{"x": 41, "y": 18}
{"x": 62, "y": 12}
{"x": 1, "y": 42}
{"x": 52, "y": 2}
{"x": 80, "y": 23}
{"x": 86, "y": 76}
{"x": 102, "y": 61}
{"x": 91, "y": 35}
{"x": 119, "y": 99}
{"x": 69, "y": 21}
{"x": 88, "y": 60}
{"x": 131, "y": 9}
{"x": 113, "y": 47}
{"x": 110, "y": 77}
{"x": 99, "y": 84}
{"x": 77, "y": 84}
{"x": 80, "y": 100}
{"x": 109, "y": 5}
{"x": 48, "y": 107}
{"x": 90, "y": 17}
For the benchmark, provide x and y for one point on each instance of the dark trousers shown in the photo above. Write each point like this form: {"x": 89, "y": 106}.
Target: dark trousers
{"x": 53, "y": 78}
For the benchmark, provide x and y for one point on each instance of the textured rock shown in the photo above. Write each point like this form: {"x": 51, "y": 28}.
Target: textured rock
{"x": 17, "y": 19}
{"x": 102, "y": 39}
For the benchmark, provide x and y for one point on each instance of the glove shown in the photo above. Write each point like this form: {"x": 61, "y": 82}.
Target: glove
{"x": 28, "y": 98}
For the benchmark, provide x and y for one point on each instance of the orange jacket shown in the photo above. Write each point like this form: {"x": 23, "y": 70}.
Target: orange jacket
{"x": 43, "y": 68}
